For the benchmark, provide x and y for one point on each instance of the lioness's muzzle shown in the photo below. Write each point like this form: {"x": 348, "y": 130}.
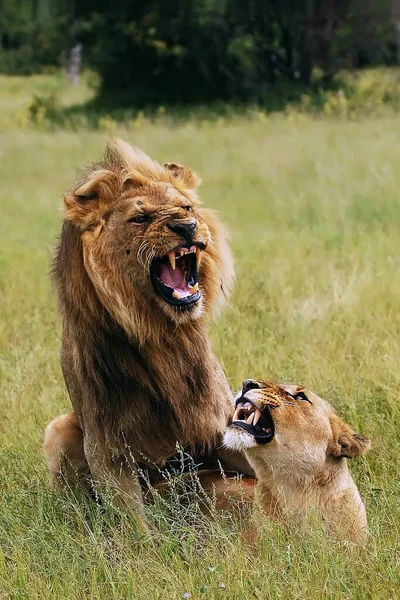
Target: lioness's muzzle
{"x": 254, "y": 416}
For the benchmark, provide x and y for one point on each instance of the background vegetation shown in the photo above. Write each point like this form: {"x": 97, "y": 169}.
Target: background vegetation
{"x": 311, "y": 199}
{"x": 200, "y": 50}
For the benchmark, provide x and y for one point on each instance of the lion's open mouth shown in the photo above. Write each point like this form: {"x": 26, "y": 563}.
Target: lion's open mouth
{"x": 175, "y": 276}
{"x": 257, "y": 423}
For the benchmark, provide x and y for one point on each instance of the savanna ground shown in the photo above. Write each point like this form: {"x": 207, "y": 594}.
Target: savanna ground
{"x": 313, "y": 209}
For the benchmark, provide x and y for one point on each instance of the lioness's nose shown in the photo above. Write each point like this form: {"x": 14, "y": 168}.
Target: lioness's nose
{"x": 184, "y": 228}
{"x": 249, "y": 384}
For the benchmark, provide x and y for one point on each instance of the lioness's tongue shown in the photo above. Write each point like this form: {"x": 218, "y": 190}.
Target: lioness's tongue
{"x": 174, "y": 279}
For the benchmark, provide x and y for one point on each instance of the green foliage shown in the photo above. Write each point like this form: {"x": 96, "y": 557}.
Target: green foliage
{"x": 32, "y": 36}
{"x": 312, "y": 207}
{"x": 50, "y": 103}
{"x": 199, "y": 51}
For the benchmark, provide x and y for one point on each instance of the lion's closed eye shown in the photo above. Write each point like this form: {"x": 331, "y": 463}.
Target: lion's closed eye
{"x": 140, "y": 218}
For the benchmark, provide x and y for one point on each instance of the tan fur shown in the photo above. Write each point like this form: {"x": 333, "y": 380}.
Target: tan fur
{"x": 140, "y": 373}
{"x": 304, "y": 466}
{"x": 64, "y": 446}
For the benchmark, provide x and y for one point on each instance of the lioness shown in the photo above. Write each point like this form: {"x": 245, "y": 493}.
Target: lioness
{"x": 297, "y": 446}
{"x": 139, "y": 268}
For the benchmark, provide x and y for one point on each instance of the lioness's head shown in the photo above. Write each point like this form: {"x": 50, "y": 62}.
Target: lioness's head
{"x": 290, "y": 427}
{"x": 148, "y": 247}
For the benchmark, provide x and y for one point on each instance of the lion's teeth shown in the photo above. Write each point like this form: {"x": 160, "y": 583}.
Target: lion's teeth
{"x": 198, "y": 257}
{"x": 172, "y": 260}
{"x": 181, "y": 252}
{"x": 193, "y": 289}
{"x": 250, "y": 418}
{"x": 176, "y": 295}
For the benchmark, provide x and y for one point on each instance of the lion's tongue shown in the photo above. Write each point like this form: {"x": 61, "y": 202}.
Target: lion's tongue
{"x": 175, "y": 280}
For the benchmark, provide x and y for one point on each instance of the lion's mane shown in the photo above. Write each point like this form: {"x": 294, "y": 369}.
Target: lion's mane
{"x": 143, "y": 375}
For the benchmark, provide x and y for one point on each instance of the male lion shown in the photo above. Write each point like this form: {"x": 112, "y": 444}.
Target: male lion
{"x": 297, "y": 446}
{"x": 138, "y": 269}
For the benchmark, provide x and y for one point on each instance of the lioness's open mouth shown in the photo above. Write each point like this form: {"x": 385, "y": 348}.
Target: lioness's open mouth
{"x": 257, "y": 423}
{"x": 175, "y": 276}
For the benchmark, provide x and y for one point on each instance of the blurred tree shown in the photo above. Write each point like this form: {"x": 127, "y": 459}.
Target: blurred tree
{"x": 396, "y": 23}
{"x": 185, "y": 50}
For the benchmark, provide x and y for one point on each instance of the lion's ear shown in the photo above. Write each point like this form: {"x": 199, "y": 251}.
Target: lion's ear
{"x": 88, "y": 201}
{"x": 184, "y": 175}
{"x": 346, "y": 442}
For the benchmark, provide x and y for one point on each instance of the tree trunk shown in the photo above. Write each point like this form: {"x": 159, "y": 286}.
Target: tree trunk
{"x": 396, "y": 23}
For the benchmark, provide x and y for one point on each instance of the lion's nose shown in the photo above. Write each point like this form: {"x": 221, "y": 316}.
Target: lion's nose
{"x": 249, "y": 384}
{"x": 186, "y": 229}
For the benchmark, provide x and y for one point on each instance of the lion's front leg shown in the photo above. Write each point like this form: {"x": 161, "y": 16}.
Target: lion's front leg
{"x": 116, "y": 477}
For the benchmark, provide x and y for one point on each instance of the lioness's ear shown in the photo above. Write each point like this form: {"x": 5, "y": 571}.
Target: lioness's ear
{"x": 346, "y": 442}
{"x": 85, "y": 204}
{"x": 184, "y": 175}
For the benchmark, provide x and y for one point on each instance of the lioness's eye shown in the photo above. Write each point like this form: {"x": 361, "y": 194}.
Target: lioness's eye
{"x": 138, "y": 219}
{"x": 302, "y": 397}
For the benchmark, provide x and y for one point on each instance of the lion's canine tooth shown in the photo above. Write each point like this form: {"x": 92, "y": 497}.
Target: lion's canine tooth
{"x": 250, "y": 418}
{"x": 172, "y": 259}
{"x": 193, "y": 289}
{"x": 182, "y": 252}
{"x": 198, "y": 257}
{"x": 176, "y": 295}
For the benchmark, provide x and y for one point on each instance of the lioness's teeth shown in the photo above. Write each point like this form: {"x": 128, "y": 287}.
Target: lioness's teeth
{"x": 236, "y": 415}
{"x": 198, "y": 257}
{"x": 172, "y": 259}
{"x": 193, "y": 289}
{"x": 250, "y": 418}
{"x": 257, "y": 415}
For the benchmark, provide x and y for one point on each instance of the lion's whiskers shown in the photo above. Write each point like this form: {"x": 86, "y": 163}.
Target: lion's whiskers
{"x": 143, "y": 246}
{"x": 149, "y": 257}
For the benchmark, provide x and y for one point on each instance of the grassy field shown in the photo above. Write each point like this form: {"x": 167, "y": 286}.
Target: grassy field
{"x": 313, "y": 210}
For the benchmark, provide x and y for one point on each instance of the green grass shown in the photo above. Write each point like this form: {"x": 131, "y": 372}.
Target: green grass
{"x": 313, "y": 210}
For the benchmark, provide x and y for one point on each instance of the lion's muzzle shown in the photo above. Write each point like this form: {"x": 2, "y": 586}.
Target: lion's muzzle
{"x": 175, "y": 276}
{"x": 186, "y": 229}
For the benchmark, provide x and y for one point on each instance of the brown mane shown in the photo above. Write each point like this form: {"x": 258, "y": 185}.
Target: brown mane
{"x": 137, "y": 375}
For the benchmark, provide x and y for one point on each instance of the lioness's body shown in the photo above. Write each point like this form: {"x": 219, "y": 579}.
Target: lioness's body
{"x": 139, "y": 370}
{"x": 302, "y": 466}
